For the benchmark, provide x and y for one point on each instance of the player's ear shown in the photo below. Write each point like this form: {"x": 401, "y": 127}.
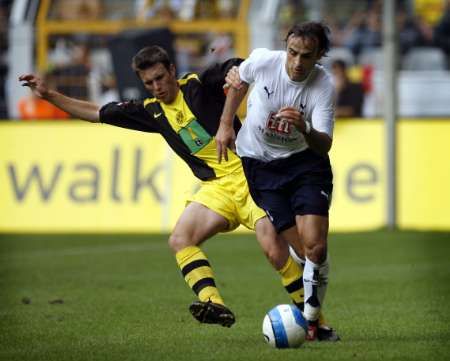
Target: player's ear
{"x": 321, "y": 53}
{"x": 172, "y": 70}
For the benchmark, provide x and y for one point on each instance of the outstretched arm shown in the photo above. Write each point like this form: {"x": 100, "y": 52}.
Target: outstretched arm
{"x": 77, "y": 108}
{"x": 226, "y": 135}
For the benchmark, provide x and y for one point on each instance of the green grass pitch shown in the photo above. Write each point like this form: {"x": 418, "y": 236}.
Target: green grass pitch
{"x": 122, "y": 297}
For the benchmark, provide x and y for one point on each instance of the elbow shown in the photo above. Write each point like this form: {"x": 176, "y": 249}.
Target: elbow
{"x": 95, "y": 115}
{"x": 323, "y": 152}
{"x": 324, "y": 148}
{"x": 91, "y": 118}
{"x": 327, "y": 150}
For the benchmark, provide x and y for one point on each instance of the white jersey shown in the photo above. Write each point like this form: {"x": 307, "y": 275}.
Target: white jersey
{"x": 265, "y": 137}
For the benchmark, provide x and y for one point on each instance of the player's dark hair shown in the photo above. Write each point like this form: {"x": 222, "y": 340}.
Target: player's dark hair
{"x": 149, "y": 56}
{"x": 312, "y": 29}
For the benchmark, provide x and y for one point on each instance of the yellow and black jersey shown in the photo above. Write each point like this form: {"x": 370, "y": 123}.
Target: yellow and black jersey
{"x": 189, "y": 124}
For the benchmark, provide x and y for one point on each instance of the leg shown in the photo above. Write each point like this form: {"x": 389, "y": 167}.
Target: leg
{"x": 297, "y": 252}
{"x": 276, "y": 249}
{"x": 325, "y": 332}
{"x": 290, "y": 267}
{"x": 313, "y": 230}
{"x": 196, "y": 224}
{"x": 275, "y": 246}
{"x": 296, "y": 245}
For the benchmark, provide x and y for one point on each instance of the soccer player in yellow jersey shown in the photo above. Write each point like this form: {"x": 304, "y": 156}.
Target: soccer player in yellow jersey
{"x": 186, "y": 112}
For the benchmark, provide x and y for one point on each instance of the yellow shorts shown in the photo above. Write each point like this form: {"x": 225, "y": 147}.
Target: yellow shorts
{"x": 229, "y": 197}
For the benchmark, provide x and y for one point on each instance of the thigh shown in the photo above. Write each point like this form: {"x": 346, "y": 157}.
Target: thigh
{"x": 196, "y": 224}
{"x": 217, "y": 196}
{"x": 247, "y": 211}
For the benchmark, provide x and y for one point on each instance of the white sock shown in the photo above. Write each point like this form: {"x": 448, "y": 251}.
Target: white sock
{"x": 315, "y": 280}
{"x": 299, "y": 260}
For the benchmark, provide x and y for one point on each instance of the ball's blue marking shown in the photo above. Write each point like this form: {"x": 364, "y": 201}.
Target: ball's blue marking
{"x": 299, "y": 319}
{"x": 281, "y": 340}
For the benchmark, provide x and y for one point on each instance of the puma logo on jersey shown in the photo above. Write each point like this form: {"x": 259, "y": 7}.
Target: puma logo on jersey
{"x": 303, "y": 108}
{"x": 268, "y": 92}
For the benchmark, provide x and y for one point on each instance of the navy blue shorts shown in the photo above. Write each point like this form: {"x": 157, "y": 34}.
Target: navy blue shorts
{"x": 298, "y": 185}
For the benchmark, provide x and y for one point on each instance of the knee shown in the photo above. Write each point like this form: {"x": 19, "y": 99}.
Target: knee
{"x": 317, "y": 253}
{"x": 177, "y": 243}
{"x": 277, "y": 254}
{"x": 275, "y": 259}
{"x": 274, "y": 247}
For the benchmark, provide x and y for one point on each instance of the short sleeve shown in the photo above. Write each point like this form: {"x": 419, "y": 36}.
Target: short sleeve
{"x": 323, "y": 113}
{"x": 213, "y": 78}
{"x": 248, "y": 69}
{"x": 130, "y": 115}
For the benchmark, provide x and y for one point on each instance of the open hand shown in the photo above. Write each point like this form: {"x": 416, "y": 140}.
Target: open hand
{"x": 225, "y": 138}
{"x": 36, "y": 84}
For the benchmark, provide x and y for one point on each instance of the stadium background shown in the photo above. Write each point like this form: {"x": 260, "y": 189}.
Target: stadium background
{"x": 85, "y": 210}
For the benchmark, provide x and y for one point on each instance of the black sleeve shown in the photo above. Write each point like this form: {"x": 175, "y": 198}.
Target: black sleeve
{"x": 130, "y": 115}
{"x": 213, "y": 78}
{"x": 441, "y": 37}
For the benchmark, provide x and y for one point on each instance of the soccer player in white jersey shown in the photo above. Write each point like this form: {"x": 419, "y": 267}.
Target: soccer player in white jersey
{"x": 284, "y": 145}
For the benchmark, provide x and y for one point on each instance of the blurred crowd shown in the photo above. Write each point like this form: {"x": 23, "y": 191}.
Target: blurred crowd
{"x": 80, "y": 66}
{"x": 357, "y": 25}
{"x": 186, "y": 10}
{"x": 422, "y": 27}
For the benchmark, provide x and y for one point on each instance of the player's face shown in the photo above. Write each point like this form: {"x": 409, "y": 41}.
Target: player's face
{"x": 302, "y": 55}
{"x": 161, "y": 82}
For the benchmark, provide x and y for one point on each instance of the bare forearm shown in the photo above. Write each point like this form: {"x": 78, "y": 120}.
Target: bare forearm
{"x": 226, "y": 136}
{"x": 77, "y": 108}
{"x": 233, "y": 100}
{"x": 319, "y": 142}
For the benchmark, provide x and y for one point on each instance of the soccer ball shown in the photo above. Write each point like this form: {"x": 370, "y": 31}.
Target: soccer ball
{"x": 284, "y": 327}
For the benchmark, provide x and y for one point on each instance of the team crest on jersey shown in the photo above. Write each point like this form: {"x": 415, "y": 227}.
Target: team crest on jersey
{"x": 179, "y": 118}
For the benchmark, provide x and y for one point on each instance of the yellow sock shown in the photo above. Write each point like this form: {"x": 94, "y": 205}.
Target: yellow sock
{"x": 291, "y": 278}
{"x": 198, "y": 274}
